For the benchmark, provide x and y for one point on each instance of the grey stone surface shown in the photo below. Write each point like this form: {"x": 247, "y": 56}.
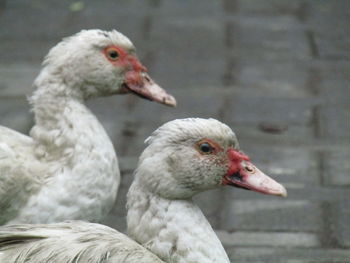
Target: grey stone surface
{"x": 271, "y": 215}
{"x": 341, "y": 212}
{"x": 196, "y": 64}
{"x": 275, "y": 78}
{"x": 285, "y": 255}
{"x": 274, "y": 7}
{"x": 277, "y": 239}
{"x": 271, "y": 38}
{"x": 329, "y": 28}
{"x": 15, "y": 114}
{"x": 17, "y": 79}
{"x": 265, "y": 109}
{"x": 277, "y": 71}
{"x": 337, "y": 168}
{"x": 191, "y": 8}
{"x": 335, "y": 122}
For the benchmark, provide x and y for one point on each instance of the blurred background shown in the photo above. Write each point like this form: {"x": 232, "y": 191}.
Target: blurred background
{"x": 276, "y": 71}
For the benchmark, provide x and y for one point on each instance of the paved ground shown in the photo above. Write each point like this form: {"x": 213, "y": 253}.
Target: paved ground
{"x": 277, "y": 71}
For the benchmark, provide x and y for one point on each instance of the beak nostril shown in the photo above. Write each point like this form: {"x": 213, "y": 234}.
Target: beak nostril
{"x": 145, "y": 76}
{"x": 249, "y": 169}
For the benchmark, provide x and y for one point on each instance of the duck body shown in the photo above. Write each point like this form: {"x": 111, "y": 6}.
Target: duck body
{"x": 67, "y": 168}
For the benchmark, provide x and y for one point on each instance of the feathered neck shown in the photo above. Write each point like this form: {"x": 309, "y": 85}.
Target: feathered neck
{"x": 52, "y": 92}
{"x": 175, "y": 230}
{"x": 62, "y": 121}
{"x": 81, "y": 166}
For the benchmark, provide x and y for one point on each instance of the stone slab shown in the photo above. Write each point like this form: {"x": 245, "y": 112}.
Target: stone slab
{"x": 191, "y": 8}
{"x": 334, "y": 47}
{"x": 284, "y": 111}
{"x": 16, "y": 79}
{"x": 104, "y": 15}
{"x": 26, "y": 51}
{"x": 333, "y": 121}
{"x": 21, "y": 43}
{"x": 193, "y": 62}
{"x": 274, "y": 239}
{"x": 275, "y": 38}
{"x": 337, "y": 168}
{"x": 273, "y": 79}
{"x": 270, "y": 7}
{"x": 334, "y": 84}
{"x": 328, "y": 21}
{"x": 15, "y": 114}
{"x": 272, "y": 132}
{"x": 280, "y": 255}
{"x": 341, "y": 227}
{"x": 271, "y": 215}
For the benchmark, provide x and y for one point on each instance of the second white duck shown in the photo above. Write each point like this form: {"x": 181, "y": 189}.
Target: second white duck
{"x": 183, "y": 157}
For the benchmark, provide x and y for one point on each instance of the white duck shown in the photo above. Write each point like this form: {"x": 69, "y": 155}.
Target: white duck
{"x": 67, "y": 168}
{"x": 183, "y": 157}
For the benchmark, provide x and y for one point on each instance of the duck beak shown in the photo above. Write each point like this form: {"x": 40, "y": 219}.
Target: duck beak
{"x": 141, "y": 84}
{"x": 243, "y": 174}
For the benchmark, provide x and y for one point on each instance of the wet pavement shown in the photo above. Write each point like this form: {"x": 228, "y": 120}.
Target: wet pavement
{"x": 276, "y": 71}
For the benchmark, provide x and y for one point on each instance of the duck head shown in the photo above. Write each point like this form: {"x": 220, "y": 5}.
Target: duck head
{"x": 96, "y": 63}
{"x": 193, "y": 155}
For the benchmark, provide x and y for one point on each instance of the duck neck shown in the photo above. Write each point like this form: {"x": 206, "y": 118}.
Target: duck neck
{"x": 52, "y": 98}
{"x": 62, "y": 121}
{"x": 78, "y": 151}
{"x": 175, "y": 230}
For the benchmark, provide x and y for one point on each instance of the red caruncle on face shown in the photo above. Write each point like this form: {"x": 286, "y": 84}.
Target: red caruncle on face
{"x": 119, "y": 57}
{"x": 235, "y": 159}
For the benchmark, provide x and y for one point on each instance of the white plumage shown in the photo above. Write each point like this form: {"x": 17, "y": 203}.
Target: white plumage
{"x": 67, "y": 168}
{"x": 70, "y": 242}
{"x": 183, "y": 157}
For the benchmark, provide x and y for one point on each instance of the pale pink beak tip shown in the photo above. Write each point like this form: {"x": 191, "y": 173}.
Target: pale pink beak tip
{"x": 283, "y": 192}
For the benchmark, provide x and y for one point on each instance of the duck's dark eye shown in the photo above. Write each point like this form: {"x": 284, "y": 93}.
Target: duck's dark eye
{"x": 205, "y": 147}
{"x": 113, "y": 54}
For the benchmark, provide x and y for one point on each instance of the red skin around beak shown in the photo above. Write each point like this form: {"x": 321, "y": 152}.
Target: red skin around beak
{"x": 243, "y": 174}
{"x": 136, "y": 79}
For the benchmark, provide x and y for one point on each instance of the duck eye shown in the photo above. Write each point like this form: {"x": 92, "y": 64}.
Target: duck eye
{"x": 206, "y": 147}
{"x": 112, "y": 54}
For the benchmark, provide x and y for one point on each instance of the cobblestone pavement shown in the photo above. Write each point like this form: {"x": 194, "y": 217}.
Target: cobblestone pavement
{"x": 276, "y": 71}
